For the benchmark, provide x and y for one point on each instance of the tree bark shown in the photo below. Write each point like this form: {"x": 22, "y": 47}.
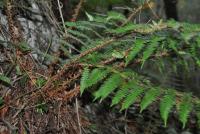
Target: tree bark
{"x": 171, "y": 9}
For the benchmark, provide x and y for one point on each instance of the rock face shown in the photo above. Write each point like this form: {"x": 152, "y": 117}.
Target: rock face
{"x": 38, "y": 27}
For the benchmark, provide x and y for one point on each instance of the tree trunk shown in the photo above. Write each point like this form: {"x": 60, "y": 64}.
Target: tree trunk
{"x": 171, "y": 9}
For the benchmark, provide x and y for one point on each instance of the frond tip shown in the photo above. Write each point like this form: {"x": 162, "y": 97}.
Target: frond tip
{"x": 149, "y": 97}
{"x": 166, "y": 105}
{"x": 184, "y": 109}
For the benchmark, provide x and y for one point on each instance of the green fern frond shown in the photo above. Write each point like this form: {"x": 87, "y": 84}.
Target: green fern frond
{"x": 84, "y": 79}
{"x": 122, "y": 92}
{"x": 193, "y": 50}
{"x": 79, "y": 34}
{"x": 172, "y": 45}
{"x": 166, "y": 105}
{"x": 184, "y": 108}
{"x": 127, "y": 28}
{"x": 108, "y": 86}
{"x": 150, "y": 96}
{"x": 115, "y": 16}
{"x": 198, "y": 41}
{"x": 138, "y": 45}
{"x": 83, "y": 28}
{"x": 153, "y": 44}
{"x": 132, "y": 97}
{"x": 96, "y": 76}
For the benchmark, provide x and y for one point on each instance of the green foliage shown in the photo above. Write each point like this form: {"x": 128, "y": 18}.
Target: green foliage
{"x": 114, "y": 69}
{"x": 84, "y": 79}
{"x": 5, "y": 79}
{"x": 41, "y": 108}
{"x": 122, "y": 93}
{"x": 139, "y": 44}
{"x": 185, "y": 108}
{"x": 96, "y": 76}
{"x": 108, "y": 86}
{"x": 23, "y": 47}
{"x": 166, "y": 105}
{"x": 40, "y": 82}
{"x": 154, "y": 42}
{"x": 124, "y": 29}
{"x": 115, "y": 16}
{"x": 150, "y": 96}
{"x": 132, "y": 97}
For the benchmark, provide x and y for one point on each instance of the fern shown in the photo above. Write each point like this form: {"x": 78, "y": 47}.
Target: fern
{"x": 79, "y": 34}
{"x": 151, "y": 48}
{"x": 132, "y": 97}
{"x": 108, "y": 86}
{"x": 122, "y": 93}
{"x": 96, "y": 76}
{"x": 115, "y": 16}
{"x": 172, "y": 45}
{"x": 127, "y": 28}
{"x": 138, "y": 45}
{"x": 149, "y": 97}
{"x": 84, "y": 80}
{"x": 166, "y": 105}
{"x": 184, "y": 109}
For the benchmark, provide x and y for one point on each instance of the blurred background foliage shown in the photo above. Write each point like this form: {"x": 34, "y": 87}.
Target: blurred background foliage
{"x": 188, "y": 10}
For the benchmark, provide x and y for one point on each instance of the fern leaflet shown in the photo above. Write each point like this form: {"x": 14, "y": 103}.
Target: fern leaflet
{"x": 139, "y": 44}
{"x": 108, "y": 86}
{"x": 184, "y": 109}
{"x": 151, "y": 48}
{"x": 124, "y": 29}
{"x": 149, "y": 97}
{"x": 96, "y": 76}
{"x": 122, "y": 93}
{"x": 172, "y": 45}
{"x": 166, "y": 104}
{"x": 115, "y": 16}
{"x": 79, "y": 34}
{"x": 132, "y": 97}
{"x": 84, "y": 80}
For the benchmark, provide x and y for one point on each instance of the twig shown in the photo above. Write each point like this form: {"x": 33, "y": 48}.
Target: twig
{"x": 134, "y": 13}
{"x": 78, "y": 117}
{"x": 73, "y": 61}
{"x": 61, "y": 16}
{"x": 11, "y": 127}
{"x": 153, "y": 12}
{"x": 22, "y": 107}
